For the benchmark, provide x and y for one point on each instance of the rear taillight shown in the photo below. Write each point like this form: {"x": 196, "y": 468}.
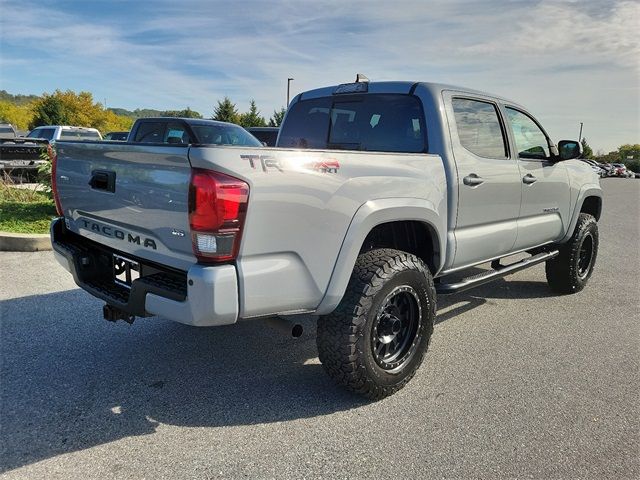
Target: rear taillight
{"x": 54, "y": 180}
{"x": 217, "y": 207}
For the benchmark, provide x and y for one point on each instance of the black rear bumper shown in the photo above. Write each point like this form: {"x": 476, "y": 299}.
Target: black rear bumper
{"x": 91, "y": 265}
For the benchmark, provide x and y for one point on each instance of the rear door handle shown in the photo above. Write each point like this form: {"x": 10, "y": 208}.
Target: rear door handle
{"x": 529, "y": 179}
{"x": 472, "y": 180}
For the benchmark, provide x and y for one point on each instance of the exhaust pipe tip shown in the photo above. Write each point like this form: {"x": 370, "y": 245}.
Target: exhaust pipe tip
{"x": 297, "y": 330}
{"x": 286, "y": 326}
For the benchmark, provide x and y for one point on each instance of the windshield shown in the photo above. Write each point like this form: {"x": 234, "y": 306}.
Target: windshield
{"x": 46, "y": 133}
{"x": 224, "y": 135}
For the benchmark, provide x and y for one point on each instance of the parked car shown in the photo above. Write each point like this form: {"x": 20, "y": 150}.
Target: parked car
{"x": 267, "y": 135}
{"x": 608, "y": 168}
{"x": 596, "y": 167}
{"x": 53, "y": 133}
{"x": 7, "y": 131}
{"x": 117, "y": 136}
{"x": 350, "y": 218}
{"x": 620, "y": 170}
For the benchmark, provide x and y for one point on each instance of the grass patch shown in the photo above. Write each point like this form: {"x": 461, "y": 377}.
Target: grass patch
{"x": 24, "y": 210}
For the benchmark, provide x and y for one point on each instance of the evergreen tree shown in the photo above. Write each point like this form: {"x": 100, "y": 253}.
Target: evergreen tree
{"x": 587, "y": 152}
{"x": 49, "y": 110}
{"x": 277, "y": 117}
{"x": 226, "y": 111}
{"x": 252, "y": 118}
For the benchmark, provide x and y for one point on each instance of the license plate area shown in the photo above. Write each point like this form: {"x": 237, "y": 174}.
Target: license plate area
{"x": 125, "y": 271}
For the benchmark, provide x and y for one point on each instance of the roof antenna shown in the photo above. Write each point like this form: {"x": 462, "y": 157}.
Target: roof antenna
{"x": 360, "y": 78}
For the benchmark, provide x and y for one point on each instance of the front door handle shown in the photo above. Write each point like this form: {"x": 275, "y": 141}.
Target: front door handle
{"x": 529, "y": 179}
{"x": 472, "y": 180}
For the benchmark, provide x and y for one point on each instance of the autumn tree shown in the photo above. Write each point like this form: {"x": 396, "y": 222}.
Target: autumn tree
{"x": 18, "y": 115}
{"x": 77, "y": 109}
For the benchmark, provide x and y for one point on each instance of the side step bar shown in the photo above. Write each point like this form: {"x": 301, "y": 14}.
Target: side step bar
{"x": 498, "y": 271}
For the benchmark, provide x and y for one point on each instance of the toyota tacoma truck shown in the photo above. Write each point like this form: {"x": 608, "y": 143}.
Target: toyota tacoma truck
{"x": 377, "y": 197}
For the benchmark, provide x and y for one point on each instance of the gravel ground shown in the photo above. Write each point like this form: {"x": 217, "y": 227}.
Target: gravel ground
{"x": 517, "y": 383}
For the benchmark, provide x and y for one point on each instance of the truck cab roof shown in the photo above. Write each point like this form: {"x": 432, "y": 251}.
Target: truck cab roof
{"x": 400, "y": 87}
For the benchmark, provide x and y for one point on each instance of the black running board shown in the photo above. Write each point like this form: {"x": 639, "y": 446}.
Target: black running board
{"x": 498, "y": 271}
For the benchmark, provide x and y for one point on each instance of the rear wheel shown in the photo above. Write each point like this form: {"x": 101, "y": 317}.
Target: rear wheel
{"x": 375, "y": 340}
{"x": 570, "y": 271}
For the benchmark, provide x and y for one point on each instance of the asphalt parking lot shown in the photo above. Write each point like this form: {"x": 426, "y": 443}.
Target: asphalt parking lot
{"x": 517, "y": 383}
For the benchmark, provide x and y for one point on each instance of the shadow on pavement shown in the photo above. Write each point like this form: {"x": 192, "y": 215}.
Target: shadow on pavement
{"x": 70, "y": 380}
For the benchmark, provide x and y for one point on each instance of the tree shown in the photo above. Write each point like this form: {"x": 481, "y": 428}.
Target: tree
{"x": 18, "y": 115}
{"x": 278, "y": 116}
{"x": 49, "y": 110}
{"x": 630, "y": 156}
{"x": 78, "y": 109}
{"x": 587, "y": 152}
{"x": 226, "y": 111}
{"x": 186, "y": 113}
{"x": 252, "y": 118}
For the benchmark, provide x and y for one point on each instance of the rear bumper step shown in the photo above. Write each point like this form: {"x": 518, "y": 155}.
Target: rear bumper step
{"x": 202, "y": 296}
{"x": 498, "y": 271}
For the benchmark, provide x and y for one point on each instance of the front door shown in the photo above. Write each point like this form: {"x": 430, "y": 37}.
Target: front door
{"x": 544, "y": 211}
{"x": 488, "y": 180}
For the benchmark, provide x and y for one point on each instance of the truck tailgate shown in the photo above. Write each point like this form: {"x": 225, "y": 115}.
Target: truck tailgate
{"x": 132, "y": 198}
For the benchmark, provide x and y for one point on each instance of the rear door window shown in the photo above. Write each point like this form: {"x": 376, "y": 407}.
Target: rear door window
{"x": 479, "y": 128}
{"x": 372, "y": 122}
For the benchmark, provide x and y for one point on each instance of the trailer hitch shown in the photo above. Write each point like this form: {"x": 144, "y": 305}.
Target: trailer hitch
{"x": 113, "y": 314}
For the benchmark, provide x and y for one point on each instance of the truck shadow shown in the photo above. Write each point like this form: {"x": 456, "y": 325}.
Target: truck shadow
{"x": 72, "y": 381}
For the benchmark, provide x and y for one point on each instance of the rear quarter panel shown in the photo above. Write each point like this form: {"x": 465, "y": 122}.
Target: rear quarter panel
{"x": 301, "y": 205}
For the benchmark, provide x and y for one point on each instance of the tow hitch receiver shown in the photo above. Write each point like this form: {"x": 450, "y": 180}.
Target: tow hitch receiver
{"x": 113, "y": 314}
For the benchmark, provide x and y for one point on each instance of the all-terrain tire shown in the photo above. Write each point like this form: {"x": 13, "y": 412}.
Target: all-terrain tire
{"x": 349, "y": 338}
{"x": 570, "y": 271}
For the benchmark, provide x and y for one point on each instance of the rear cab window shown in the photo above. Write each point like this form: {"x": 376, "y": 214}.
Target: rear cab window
{"x": 162, "y": 132}
{"x": 208, "y": 134}
{"x": 78, "y": 135}
{"x": 369, "y": 122}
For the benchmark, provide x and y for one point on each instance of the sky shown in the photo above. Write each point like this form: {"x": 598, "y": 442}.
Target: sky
{"x": 567, "y": 61}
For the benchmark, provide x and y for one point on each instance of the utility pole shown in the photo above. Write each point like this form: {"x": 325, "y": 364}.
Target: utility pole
{"x": 580, "y": 135}
{"x": 288, "y": 90}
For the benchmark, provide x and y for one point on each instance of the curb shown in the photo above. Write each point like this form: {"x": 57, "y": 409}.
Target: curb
{"x": 24, "y": 242}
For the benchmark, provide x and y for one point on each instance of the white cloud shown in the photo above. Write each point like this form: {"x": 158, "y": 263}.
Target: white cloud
{"x": 568, "y": 61}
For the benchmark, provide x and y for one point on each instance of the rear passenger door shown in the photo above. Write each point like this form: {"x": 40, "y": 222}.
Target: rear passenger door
{"x": 545, "y": 184}
{"x": 488, "y": 180}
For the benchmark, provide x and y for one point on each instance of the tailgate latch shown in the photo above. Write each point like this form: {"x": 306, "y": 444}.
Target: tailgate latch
{"x": 103, "y": 180}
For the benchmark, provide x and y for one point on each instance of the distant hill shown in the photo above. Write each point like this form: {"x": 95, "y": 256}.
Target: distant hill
{"x": 148, "y": 112}
{"x": 17, "y": 99}
{"x": 137, "y": 113}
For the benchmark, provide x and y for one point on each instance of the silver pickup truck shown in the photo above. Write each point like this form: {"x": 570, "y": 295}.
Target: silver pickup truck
{"x": 374, "y": 195}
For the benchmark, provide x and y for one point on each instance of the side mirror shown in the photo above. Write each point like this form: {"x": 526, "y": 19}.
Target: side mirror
{"x": 569, "y": 149}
